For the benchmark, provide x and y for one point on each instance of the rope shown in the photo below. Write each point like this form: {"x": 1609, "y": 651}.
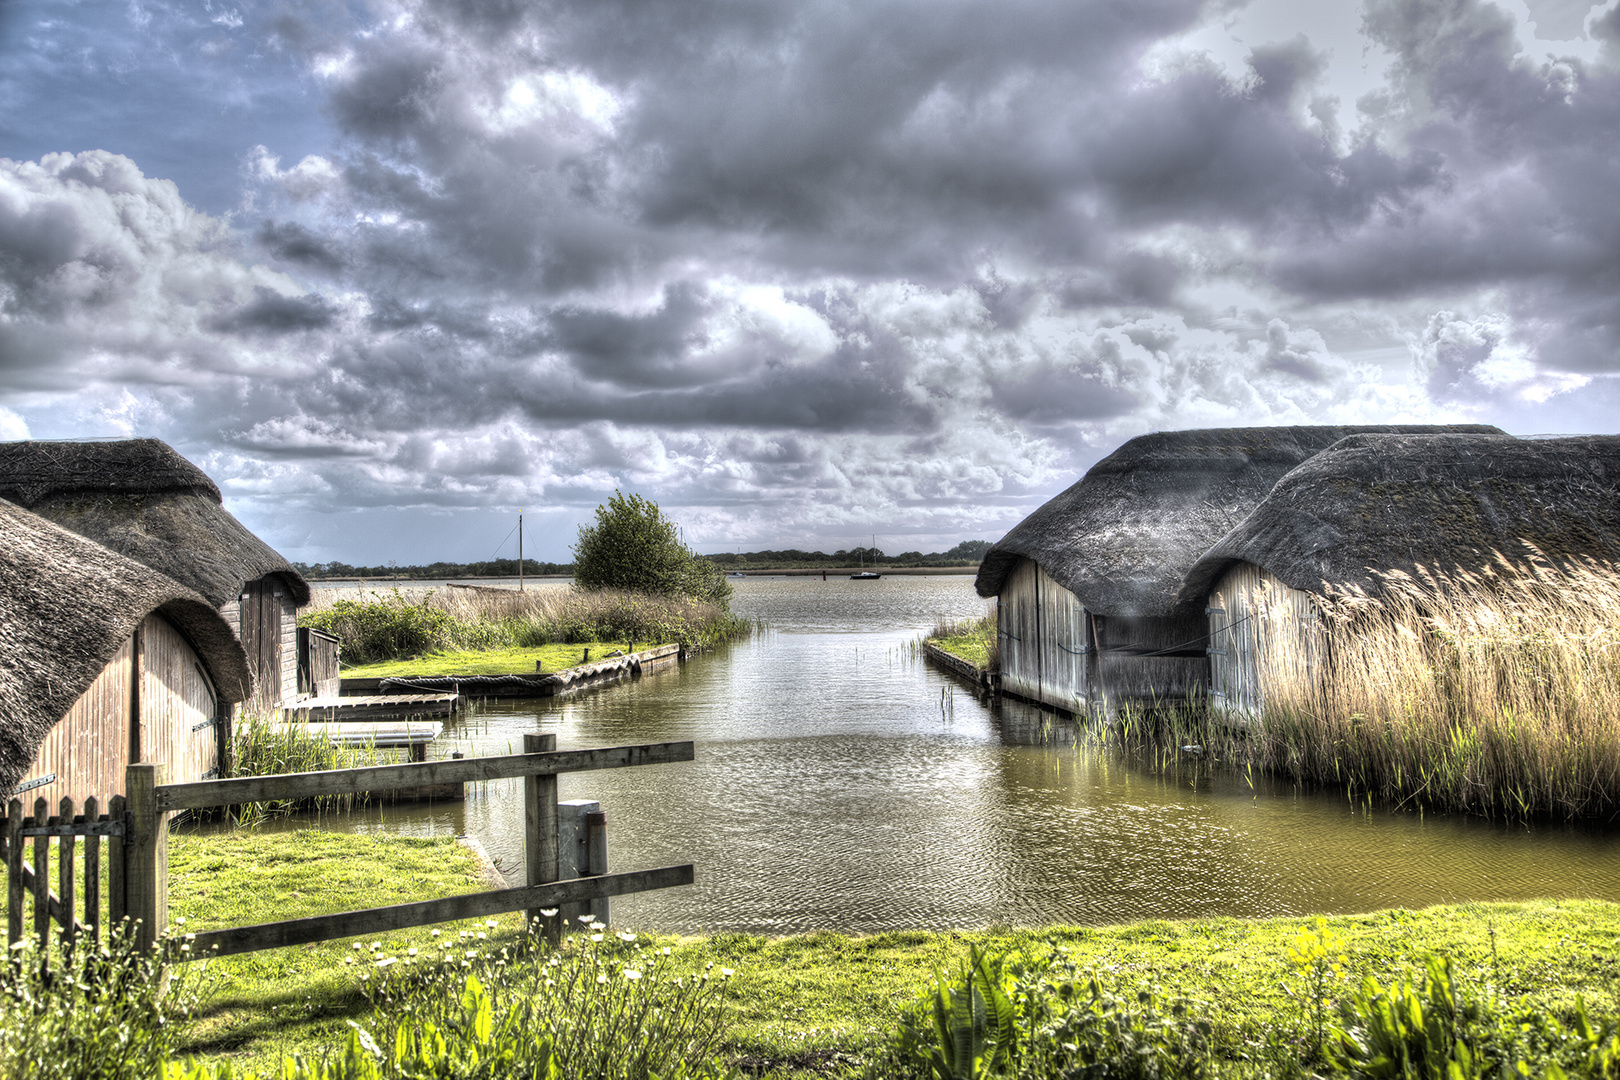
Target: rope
{"x": 1194, "y": 641}
{"x": 1084, "y": 649}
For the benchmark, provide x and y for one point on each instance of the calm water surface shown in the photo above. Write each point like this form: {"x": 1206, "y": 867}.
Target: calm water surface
{"x": 841, "y": 782}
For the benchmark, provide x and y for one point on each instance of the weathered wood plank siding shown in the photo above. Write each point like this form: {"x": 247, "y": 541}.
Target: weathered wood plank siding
{"x": 88, "y": 748}
{"x": 1261, "y": 631}
{"x": 318, "y": 668}
{"x": 1126, "y": 677}
{"x": 179, "y": 714}
{"x": 1043, "y": 639}
{"x": 267, "y": 624}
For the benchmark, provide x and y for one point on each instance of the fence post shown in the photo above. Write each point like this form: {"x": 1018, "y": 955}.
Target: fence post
{"x": 14, "y": 872}
{"x": 146, "y": 861}
{"x": 540, "y": 828}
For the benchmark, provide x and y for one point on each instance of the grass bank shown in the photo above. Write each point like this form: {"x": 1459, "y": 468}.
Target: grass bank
{"x": 400, "y": 625}
{"x": 973, "y": 640}
{"x": 556, "y": 657}
{"x": 815, "y": 1004}
{"x": 1495, "y": 694}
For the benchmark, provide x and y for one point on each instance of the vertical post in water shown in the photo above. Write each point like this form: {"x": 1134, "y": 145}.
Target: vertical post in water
{"x": 540, "y": 829}
{"x": 146, "y": 855}
{"x": 573, "y": 860}
{"x": 596, "y": 858}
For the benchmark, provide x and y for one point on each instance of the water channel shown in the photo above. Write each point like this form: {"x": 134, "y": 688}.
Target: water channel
{"x": 842, "y": 782}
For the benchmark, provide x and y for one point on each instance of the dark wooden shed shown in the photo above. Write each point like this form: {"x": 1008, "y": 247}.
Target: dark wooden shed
{"x": 1370, "y": 506}
{"x": 1090, "y": 614}
{"x": 104, "y": 662}
{"x": 140, "y": 498}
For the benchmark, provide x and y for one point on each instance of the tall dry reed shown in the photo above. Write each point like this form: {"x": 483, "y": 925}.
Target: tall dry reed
{"x": 1496, "y": 693}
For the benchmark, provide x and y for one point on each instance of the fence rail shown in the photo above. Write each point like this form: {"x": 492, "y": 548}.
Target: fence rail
{"x": 137, "y": 833}
{"x": 249, "y": 789}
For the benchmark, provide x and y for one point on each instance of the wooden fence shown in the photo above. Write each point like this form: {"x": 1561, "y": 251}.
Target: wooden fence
{"x": 139, "y": 865}
{"x": 61, "y": 905}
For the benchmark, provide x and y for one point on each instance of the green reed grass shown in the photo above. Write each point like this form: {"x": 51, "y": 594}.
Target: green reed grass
{"x": 398, "y": 624}
{"x": 974, "y": 640}
{"x": 265, "y": 746}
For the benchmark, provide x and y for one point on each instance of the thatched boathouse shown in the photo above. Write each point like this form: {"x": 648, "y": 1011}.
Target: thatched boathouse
{"x": 104, "y": 662}
{"x": 1090, "y": 615}
{"x": 1430, "y": 506}
{"x": 140, "y": 498}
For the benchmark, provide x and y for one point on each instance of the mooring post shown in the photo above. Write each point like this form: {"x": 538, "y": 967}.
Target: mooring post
{"x": 596, "y": 857}
{"x": 540, "y": 829}
{"x": 573, "y": 856}
{"x": 146, "y": 852}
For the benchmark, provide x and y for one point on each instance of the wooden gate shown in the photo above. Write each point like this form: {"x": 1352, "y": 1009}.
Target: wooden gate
{"x": 28, "y": 880}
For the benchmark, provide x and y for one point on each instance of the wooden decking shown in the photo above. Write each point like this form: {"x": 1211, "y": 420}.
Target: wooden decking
{"x": 371, "y": 707}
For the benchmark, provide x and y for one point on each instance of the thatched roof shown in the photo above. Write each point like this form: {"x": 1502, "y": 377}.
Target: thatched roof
{"x": 141, "y": 499}
{"x": 1123, "y": 538}
{"x": 1443, "y": 503}
{"x": 66, "y": 607}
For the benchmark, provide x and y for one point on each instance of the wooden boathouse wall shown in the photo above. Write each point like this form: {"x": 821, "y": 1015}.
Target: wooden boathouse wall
{"x": 265, "y": 617}
{"x": 1043, "y": 632}
{"x": 1055, "y": 652}
{"x": 1260, "y": 630}
{"x": 152, "y": 702}
{"x": 1149, "y": 661}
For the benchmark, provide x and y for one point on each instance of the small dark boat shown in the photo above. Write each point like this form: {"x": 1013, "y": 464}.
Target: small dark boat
{"x": 864, "y": 575}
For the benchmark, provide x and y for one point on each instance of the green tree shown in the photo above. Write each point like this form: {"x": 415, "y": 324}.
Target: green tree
{"x": 634, "y": 546}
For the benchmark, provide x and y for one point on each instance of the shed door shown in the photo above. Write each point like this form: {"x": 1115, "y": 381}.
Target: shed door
{"x": 261, "y": 639}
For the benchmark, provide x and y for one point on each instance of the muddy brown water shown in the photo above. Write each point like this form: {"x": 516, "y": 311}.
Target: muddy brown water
{"x": 842, "y": 782}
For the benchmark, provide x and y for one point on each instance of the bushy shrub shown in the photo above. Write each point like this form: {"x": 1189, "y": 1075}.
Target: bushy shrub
{"x": 633, "y": 546}
{"x": 384, "y": 627}
{"x": 104, "y": 1012}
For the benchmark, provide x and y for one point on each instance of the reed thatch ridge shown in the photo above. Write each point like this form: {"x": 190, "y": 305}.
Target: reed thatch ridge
{"x": 1369, "y": 506}
{"x": 1123, "y": 538}
{"x": 67, "y": 606}
{"x": 142, "y": 499}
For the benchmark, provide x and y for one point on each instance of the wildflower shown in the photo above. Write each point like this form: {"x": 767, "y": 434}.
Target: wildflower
{"x": 632, "y": 974}
{"x": 586, "y": 918}
{"x": 625, "y": 935}
{"x": 665, "y": 950}
{"x": 410, "y": 952}
{"x": 596, "y": 937}
{"x": 601, "y": 978}
{"x": 482, "y": 936}
{"x": 490, "y": 923}
{"x": 727, "y": 972}
{"x": 435, "y": 933}
{"x": 386, "y": 961}
{"x": 549, "y": 912}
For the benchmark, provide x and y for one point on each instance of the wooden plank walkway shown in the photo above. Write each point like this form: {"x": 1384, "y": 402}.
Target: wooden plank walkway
{"x": 371, "y": 706}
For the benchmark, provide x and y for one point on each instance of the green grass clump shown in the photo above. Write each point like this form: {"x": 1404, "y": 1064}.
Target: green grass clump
{"x": 973, "y": 640}
{"x": 506, "y": 661}
{"x": 103, "y": 1012}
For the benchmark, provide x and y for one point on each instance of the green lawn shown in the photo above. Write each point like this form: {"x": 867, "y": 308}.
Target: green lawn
{"x": 491, "y": 661}
{"x": 803, "y": 1005}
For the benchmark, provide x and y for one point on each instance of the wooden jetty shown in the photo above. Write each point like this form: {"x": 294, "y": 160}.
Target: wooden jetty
{"x": 984, "y": 680}
{"x": 371, "y": 707}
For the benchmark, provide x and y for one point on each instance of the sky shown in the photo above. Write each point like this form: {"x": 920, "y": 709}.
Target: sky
{"x": 804, "y": 272}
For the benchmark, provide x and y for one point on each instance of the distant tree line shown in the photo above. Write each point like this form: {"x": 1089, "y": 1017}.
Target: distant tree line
{"x": 491, "y": 568}
{"x": 967, "y": 553}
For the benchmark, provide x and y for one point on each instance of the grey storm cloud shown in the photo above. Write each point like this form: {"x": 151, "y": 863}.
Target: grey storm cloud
{"x": 787, "y": 265}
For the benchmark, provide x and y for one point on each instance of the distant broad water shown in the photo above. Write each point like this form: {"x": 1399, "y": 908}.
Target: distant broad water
{"x": 842, "y": 782}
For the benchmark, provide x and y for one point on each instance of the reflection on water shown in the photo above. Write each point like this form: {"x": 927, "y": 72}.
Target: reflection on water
{"x": 842, "y": 782}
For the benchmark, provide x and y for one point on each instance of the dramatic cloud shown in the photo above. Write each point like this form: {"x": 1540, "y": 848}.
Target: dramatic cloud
{"x": 798, "y": 271}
